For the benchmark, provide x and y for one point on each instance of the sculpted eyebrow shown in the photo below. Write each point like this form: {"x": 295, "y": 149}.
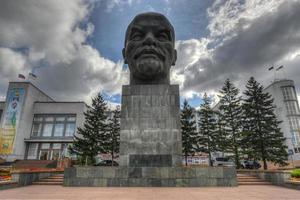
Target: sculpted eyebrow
{"x": 135, "y": 29}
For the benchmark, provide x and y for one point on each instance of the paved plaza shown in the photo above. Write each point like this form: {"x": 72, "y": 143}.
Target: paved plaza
{"x": 204, "y": 193}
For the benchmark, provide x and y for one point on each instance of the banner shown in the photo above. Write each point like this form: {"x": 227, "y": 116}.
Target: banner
{"x": 14, "y": 102}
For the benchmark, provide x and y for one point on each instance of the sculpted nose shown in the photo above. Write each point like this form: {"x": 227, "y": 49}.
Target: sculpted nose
{"x": 149, "y": 39}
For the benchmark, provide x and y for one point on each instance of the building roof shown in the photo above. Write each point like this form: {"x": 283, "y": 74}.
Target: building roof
{"x": 279, "y": 81}
{"x": 29, "y": 83}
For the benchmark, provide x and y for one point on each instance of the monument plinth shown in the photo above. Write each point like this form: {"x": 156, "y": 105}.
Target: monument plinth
{"x": 150, "y": 127}
{"x": 150, "y": 138}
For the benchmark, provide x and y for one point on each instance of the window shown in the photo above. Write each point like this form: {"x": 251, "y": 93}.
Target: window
{"x": 292, "y": 107}
{"x": 45, "y": 146}
{"x": 294, "y": 123}
{"x": 288, "y": 93}
{"x": 36, "y": 129}
{"x": 47, "y": 132}
{"x": 56, "y": 146}
{"x": 70, "y": 129}
{"x": 53, "y": 126}
{"x": 295, "y": 137}
{"x": 32, "y": 151}
{"x": 49, "y": 119}
{"x": 58, "y": 130}
{"x": 1, "y": 111}
{"x": 71, "y": 119}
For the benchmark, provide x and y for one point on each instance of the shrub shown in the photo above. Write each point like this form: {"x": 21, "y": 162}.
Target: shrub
{"x": 295, "y": 173}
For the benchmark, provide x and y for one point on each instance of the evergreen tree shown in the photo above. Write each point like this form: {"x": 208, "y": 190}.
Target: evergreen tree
{"x": 113, "y": 143}
{"x": 207, "y": 141}
{"x": 91, "y": 138}
{"x": 230, "y": 109}
{"x": 189, "y": 130}
{"x": 262, "y": 133}
{"x": 220, "y": 131}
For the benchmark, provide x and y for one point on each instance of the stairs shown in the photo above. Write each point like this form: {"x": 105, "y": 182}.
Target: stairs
{"x": 56, "y": 179}
{"x": 247, "y": 179}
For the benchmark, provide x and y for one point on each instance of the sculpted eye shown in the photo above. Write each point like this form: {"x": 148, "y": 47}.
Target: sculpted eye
{"x": 136, "y": 36}
{"x": 163, "y": 36}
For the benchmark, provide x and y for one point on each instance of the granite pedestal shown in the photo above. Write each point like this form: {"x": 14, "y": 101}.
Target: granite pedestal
{"x": 150, "y": 127}
{"x": 150, "y": 176}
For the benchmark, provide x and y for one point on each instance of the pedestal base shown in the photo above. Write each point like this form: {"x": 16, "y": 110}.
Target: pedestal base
{"x": 150, "y": 176}
{"x": 150, "y": 126}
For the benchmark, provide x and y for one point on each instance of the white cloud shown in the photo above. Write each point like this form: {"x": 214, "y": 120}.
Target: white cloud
{"x": 225, "y": 16}
{"x": 51, "y": 36}
{"x": 245, "y": 38}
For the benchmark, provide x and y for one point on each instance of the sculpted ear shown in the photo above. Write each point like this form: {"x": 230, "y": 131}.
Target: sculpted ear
{"x": 124, "y": 56}
{"x": 174, "y": 57}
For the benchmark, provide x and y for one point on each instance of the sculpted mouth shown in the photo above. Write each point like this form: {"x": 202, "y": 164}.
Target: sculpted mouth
{"x": 151, "y": 53}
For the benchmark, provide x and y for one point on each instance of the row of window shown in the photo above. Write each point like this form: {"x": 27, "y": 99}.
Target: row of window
{"x": 53, "y": 126}
{"x": 289, "y": 93}
{"x": 295, "y": 138}
{"x": 294, "y": 122}
{"x": 47, "y": 151}
{"x": 292, "y": 107}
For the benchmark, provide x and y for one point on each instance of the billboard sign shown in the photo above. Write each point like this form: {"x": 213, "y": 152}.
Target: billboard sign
{"x": 11, "y": 117}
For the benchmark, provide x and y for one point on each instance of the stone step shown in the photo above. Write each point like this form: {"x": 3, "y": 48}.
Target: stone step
{"x": 251, "y": 180}
{"x": 51, "y": 180}
{"x": 58, "y": 175}
{"x": 46, "y": 183}
{"x": 255, "y": 183}
{"x": 54, "y": 177}
{"x": 242, "y": 175}
{"x": 245, "y": 178}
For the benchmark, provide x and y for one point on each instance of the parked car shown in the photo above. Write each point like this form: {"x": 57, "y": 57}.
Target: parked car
{"x": 250, "y": 164}
{"x": 107, "y": 163}
{"x": 222, "y": 161}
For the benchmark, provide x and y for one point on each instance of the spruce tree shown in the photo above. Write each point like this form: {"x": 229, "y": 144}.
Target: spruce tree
{"x": 188, "y": 130}
{"x": 230, "y": 109}
{"x": 113, "y": 125}
{"x": 261, "y": 128}
{"x": 220, "y": 131}
{"x": 91, "y": 138}
{"x": 207, "y": 140}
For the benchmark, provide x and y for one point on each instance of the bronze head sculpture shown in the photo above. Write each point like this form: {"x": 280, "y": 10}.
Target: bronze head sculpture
{"x": 150, "y": 49}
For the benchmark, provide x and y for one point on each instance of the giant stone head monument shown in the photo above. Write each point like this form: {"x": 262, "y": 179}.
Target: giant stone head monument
{"x": 150, "y": 137}
{"x": 150, "y": 129}
{"x": 149, "y": 49}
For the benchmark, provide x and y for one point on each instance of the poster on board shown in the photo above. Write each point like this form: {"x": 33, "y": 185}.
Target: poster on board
{"x": 11, "y": 117}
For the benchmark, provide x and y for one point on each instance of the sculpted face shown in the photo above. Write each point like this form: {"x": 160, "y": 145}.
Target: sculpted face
{"x": 149, "y": 49}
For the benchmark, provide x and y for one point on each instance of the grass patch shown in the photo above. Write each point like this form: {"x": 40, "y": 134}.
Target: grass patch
{"x": 295, "y": 173}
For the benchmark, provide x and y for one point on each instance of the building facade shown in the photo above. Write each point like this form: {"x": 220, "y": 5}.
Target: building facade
{"x": 287, "y": 111}
{"x": 35, "y": 126}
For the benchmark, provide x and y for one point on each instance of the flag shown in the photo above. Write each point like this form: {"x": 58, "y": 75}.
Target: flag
{"x": 279, "y": 68}
{"x": 271, "y": 68}
{"x": 21, "y": 76}
{"x": 32, "y": 76}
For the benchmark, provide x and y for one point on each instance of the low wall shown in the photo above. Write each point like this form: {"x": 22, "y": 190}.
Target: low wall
{"x": 28, "y": 177}
{"x": 150, "y": 176}
{"x": 7, "y": 185}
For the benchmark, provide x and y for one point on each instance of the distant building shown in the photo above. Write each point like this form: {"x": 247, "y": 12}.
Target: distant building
{"x": 287, "y": 111}
{"x": 34, "y": 126}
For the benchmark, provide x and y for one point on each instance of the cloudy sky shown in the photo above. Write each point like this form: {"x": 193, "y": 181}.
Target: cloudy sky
{"x": 74, "y": 46}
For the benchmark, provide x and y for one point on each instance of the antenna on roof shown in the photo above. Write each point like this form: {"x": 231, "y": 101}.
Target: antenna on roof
{"x": 275, "y": 70}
